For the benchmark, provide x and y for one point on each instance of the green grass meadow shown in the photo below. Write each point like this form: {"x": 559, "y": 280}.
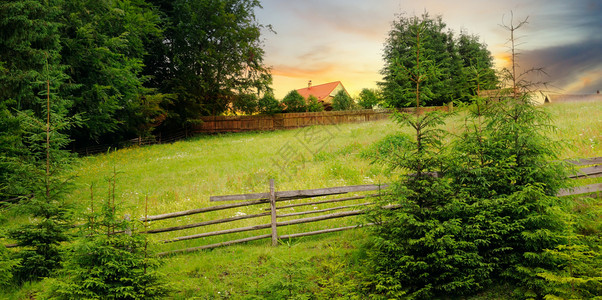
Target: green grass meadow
{"x": 182, "y": 176}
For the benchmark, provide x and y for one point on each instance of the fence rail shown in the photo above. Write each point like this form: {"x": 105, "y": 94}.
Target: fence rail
{"x": 593, "y": 168}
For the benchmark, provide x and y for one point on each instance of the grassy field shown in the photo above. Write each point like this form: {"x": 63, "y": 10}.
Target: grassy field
{"x": 183, "y": 175}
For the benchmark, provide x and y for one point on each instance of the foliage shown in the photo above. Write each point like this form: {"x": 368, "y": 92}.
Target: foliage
{"x": 42, "y": 175}
{"x": 337, "y": 278}
{"x": 368, "y": 98}
{"x": 129, "y": 67}
{"x": 104, "y": 51}
{"x": 109, "y": 261}
{"x": 209, "y": 55}
{"x": 246, "y": 104}
{"x": 451, "y": 57}
{"x": 269, "y": 105}
{"x": 342, "y": 101}
{"x": 314, "y": 105}
{"x": 7, "y": 264}
{"x": 294, "y": 102}
{"x": 579, "y": 275}
{"x": 290, "y": 280}
{"x": 29, "y": 55}
{"x": 477, "y": 64}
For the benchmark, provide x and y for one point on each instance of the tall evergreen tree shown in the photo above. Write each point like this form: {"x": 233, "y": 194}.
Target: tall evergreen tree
{"x": 44, "y": 181}
{"x": 478, "y": 65}
{"x": 442, "y": 48}
{"x": 29, "y": 55}
{"x": 209, "y": 56}
{"x": 104, "y": 46}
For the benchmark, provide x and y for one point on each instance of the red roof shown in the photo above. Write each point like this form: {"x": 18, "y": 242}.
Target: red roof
{"x": 319, "y": 91}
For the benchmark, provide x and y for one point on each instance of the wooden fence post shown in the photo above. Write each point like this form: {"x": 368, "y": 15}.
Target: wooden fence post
{"x": 273, "y": 209}
{"x": 128, "y": 229}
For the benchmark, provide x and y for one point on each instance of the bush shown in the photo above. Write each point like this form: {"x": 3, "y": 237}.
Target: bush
{"x": 246, "y": 104}
{"x": 269, "y": 105}
{"x": 368, "y": 99}
{"x": 294, "y": 102}
{"x": 6, "y": 267}
{"x": 314, "y": 105}
{"x": 342, "y": 101}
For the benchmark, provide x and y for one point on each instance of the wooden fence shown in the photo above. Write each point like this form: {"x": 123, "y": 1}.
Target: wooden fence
{"x": 216, "y": 124}
{"x": 272, "y": 198}
{"x": 221, "y": 124}
{"x": 590, "y": 168}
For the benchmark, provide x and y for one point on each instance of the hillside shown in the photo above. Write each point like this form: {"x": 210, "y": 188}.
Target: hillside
{"x": 183, "y": 175}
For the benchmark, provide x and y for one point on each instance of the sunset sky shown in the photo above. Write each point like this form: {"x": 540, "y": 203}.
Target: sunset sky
{"x": 342, "y": 40}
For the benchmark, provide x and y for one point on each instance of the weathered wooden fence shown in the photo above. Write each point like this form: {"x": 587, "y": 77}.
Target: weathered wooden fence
{"x": 274, "y": 207}
{"x": 222, "y": 124}
{"x": 216, "y": 124}
{"x": 272, "y": 198}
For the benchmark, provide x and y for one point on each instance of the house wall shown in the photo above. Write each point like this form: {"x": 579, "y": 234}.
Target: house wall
{"x": 333, "y": 93}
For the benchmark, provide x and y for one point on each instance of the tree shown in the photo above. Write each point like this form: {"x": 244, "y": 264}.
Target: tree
{"x": 368, "y": 98}
{"x": 314, "y": 105}
{"x": 210, "y": 54}
{"x": 421, "y": 247}
{"x": 42, "y": 175}
{"x": 269, "y": 105}
{"x": 440, "y": 47}
{"x": 294, "y": 102}
{"x": 483, "y": 213}
{"x": 109, "y": 261}
{"x": 342, "y": 101}
{"x": 29, "y": 55}
{"x": 478, "y": 65}
{"x": 104, "y": 46}
{"x": 245, "y": 103}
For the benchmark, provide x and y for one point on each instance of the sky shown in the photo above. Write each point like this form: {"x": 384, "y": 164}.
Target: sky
{"x": 343, "y": 40}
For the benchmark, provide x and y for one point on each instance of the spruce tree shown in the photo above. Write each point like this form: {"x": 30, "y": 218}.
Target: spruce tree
{"x": 110, "y": 259}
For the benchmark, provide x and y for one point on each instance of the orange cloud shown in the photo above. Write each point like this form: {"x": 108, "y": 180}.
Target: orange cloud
{"x": 583, "y": 80}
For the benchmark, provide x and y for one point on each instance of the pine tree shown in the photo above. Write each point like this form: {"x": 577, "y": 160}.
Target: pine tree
{"x": 110, "y": 259}
{"x": 42, "y": 174}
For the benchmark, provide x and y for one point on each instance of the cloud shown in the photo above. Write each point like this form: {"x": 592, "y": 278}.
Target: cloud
{"x": 326, "y": 40}
{"x": 572, "y": 55}
{"x": 303, "y": 72}
{"x": 362, "y": 19}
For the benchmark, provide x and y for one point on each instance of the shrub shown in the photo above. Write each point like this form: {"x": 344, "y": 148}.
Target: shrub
{"x": 294, "y": 102}
{"x": 368, "y": 99}
{"x": 269, "y": 105}
{"x": 314, "y": 105}
{"x": 6, "y": 267}
{"x": 342, "y": 101}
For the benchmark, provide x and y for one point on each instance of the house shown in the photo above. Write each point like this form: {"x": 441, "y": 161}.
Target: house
{"x": 324, "y": 92}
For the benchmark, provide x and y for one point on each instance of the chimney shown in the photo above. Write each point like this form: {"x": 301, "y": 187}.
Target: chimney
{"x": 597, "y": 92}
{"x": 309, "y": 85}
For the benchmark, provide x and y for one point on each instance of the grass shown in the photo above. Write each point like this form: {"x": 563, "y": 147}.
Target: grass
{"x": 183, "y": 175}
